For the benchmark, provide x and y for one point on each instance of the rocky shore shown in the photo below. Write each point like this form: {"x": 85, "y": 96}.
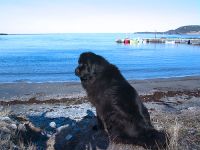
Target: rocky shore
{"x": 59, "y": 116}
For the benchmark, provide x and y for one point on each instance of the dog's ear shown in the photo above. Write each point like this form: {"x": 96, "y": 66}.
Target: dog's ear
{"x": 96, "y": 69}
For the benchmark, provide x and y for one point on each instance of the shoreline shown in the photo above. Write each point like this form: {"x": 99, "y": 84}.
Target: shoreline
{"x": 78, "y": 81}
{"x": 62, "y": 91}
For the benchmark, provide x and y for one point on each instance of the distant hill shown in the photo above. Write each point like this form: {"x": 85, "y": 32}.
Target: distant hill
{"x": 190, "y": 29}
{"x": 3, "y": 34}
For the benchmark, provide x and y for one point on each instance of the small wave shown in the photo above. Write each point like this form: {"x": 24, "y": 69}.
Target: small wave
{"x": 23, "y": 81}
{"x": 40, "y": 73}
{"x": 142, "y": 70}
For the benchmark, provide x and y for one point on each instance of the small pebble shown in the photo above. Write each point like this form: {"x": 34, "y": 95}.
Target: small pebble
{"x": 192, "y": 108}
{"x": 4, "y": 129}
{"x": 68, "y": 137}
{"x": 192, "y": 131}
{"x": 52, "y": 124}
{"x": 4, "y": 118}
{"x": 13, "y": 126}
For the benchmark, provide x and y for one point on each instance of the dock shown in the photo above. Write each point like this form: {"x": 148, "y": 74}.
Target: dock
{"x": 161, "y": 40}
{"x": 173, "y": 41}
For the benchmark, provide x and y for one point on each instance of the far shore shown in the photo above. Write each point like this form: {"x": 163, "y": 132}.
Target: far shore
{"x": 3, "y": 34}
{"x": 67, "y": 90}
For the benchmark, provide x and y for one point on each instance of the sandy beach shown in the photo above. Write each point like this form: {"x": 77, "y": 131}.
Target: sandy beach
{"x": 59, "y": 90}
{"x": 60, "y": 115}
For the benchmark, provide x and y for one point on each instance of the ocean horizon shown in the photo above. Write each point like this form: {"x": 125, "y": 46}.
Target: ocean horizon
{"x": 53, "y": 57}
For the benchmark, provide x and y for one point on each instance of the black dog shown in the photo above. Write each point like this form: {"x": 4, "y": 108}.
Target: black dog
{"x": 119, "y": 109}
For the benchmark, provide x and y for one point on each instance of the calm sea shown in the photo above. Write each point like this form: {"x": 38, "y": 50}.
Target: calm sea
{"x": 53, "y": 57}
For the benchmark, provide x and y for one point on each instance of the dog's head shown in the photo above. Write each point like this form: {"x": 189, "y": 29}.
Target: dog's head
{"x": 90, "y": 66}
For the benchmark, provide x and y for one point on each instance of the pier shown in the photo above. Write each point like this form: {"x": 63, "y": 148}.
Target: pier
{"x": 173, "y": 41}
{"x": 160, "y": 40}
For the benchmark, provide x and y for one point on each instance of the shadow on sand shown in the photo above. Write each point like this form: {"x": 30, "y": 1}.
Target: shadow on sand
{"x": 69, "y": 134}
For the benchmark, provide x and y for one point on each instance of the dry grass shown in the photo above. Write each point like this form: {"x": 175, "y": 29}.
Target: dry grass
{"x": 5, "y": 112}
{"x": 174, "y": 135}
{"x": 9, "y": 141}
{"x": 183, "y": 130}
{"x": 8, "y": 136}
{"x": 30, "y": 146}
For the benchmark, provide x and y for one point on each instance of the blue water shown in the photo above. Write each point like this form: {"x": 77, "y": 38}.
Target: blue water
{"x": 53, "y": 57}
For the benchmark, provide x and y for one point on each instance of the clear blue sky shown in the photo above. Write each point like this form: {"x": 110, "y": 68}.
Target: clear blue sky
{"x": 62, "y": 16}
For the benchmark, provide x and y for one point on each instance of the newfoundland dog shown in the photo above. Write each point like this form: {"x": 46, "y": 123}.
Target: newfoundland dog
{"x": 120, "y": 111}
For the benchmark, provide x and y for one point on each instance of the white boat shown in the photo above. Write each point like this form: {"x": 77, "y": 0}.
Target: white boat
{"x": 169, "y": 42}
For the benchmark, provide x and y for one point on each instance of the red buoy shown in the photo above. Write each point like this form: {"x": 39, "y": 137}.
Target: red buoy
{"x": 126, "y": 41}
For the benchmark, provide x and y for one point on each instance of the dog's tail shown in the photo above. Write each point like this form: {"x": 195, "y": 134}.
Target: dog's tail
{"x": 154, "y": 139}
{"x": 150, "y": 139}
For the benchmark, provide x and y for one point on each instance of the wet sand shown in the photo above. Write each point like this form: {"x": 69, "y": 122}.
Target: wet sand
{"x": 70, "y": 90}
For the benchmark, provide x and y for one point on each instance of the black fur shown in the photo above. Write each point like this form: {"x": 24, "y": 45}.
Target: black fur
{"x": 119, "y": 109}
